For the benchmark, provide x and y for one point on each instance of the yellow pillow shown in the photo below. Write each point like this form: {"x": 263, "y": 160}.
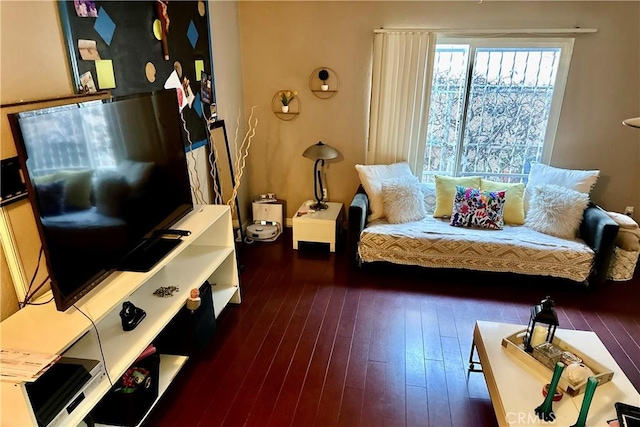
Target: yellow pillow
{"x": 514, "y": 205}
{"x": 446, "y": 190}
{"x": 77, "y": 186}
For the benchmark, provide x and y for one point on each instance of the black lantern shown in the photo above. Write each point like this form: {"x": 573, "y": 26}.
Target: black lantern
{"x": 541, "y": 314}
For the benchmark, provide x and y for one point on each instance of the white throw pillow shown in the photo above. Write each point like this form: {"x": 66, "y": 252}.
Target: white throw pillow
{"x": 371, "y": 177}
{"x": 579, "y": 180}
{"x": 403, "y": 200}
{"x": 556, "y": 210}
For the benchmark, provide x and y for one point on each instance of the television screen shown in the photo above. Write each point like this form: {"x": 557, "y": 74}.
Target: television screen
{"x": 103, "y": 177}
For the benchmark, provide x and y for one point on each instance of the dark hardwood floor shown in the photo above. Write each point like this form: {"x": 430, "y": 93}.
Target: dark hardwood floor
{"x": 318, "y": 342}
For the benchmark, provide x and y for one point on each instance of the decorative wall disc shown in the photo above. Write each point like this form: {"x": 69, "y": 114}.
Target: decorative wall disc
{"x": 324, "y": 82}
{"x": 150, "y": 72}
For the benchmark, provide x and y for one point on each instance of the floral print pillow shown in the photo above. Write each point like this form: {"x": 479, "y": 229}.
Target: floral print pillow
{"x": 473, "y": 207}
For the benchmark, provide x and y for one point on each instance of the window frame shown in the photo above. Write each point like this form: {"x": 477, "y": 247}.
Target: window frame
{"x": 565, "y": 44}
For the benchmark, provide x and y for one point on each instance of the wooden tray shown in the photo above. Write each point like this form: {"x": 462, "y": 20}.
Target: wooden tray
{"x": 514, "y": 345}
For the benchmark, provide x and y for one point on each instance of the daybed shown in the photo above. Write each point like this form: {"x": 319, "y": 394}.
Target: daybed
{"x": 433, "y": 242}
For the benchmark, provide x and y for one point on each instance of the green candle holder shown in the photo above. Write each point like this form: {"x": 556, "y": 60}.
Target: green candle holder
{"x": 545, "y": 411}
{"x": 592, "y": 383}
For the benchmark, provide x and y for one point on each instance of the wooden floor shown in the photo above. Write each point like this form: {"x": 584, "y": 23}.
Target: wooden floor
{"x": 317, "y": 342}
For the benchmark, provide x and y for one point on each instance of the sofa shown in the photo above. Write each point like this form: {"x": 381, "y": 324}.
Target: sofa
{"x": 433, "y": 243}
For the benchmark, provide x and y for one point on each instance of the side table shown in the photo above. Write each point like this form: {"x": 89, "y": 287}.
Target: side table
{"x": 318, "y": 226}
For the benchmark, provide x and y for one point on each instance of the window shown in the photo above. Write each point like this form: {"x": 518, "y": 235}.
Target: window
{"x": 494, "y": 106}
{"x": 68, "y": 139}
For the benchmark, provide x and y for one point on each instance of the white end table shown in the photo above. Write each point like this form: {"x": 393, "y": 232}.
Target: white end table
{"x": 318, "y": 226}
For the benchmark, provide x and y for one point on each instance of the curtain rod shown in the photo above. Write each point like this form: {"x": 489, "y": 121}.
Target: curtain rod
{"x": 487, "y": 31}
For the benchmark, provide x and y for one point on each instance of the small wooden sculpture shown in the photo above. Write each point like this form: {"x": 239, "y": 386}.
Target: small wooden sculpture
{"x": 163, "y": 16}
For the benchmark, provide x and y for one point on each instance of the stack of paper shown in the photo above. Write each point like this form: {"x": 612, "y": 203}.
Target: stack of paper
{"x": 21, "y": 365}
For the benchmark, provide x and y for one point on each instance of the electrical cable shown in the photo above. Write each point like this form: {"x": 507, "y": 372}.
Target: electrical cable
{"x": 104, "y": 361}
{"x": 27, "y": 295}
{"x": 27, "y": 300}
{"x": 41, "y": 303}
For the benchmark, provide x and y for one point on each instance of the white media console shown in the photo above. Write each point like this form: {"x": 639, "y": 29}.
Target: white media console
{"x": 208, "y": 254}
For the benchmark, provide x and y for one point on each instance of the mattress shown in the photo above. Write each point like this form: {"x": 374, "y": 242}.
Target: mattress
{"x": 518, "y": 249}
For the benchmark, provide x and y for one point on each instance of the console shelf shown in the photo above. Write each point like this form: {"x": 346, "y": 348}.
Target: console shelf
{"x": 208, "y": 254}
{"x": 170, "y": 365}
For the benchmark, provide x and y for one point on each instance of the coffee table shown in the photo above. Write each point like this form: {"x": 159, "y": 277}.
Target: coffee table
{"x": 516, "y": 389}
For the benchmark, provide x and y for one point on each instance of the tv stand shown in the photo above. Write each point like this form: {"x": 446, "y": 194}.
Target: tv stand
{"x": 208, "y": 254}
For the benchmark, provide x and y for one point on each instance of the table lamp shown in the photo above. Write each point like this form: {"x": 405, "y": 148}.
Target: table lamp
{"x": 634, "y": 122}
{"x": 319, "y": 152}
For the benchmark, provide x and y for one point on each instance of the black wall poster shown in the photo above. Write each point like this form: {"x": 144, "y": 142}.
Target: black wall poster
{"x": 117, "y": 43}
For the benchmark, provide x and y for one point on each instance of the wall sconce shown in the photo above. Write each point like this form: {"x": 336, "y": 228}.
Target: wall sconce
{"x": 541, "y": 314}
{"x": 319, "y": 152}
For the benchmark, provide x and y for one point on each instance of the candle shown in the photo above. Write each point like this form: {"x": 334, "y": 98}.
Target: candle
{"x": 539, "y": 336}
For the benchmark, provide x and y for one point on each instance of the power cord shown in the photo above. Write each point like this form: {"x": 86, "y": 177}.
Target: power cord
{"x": 28, "y": 294}
{"x": 104, "y": 361}
{"x": 40, "y": 303}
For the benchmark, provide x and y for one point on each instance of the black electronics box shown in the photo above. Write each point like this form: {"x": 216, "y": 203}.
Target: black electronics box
{"x": 189, "y": 331}
{"x": 53, "y": 391}
{"x": 13, "y": 187}
{"x": 123, "y": 407}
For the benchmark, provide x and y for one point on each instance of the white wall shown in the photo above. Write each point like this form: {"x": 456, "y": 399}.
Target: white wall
{"x": 228, "y": 71}
{"x": 34, "y": 62}
{"x": 283, "y": 42}
{"x": 33, "y": 65}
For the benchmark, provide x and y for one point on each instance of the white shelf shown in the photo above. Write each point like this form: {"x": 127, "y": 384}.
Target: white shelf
{"x": 222, "y": 295}
{"x": 194, "y": 265}
{"x": 170, "y": 365}
{"x": 54, "y": 331}
{"x": 122, "y": 348}
{"x": 207, "y": 254}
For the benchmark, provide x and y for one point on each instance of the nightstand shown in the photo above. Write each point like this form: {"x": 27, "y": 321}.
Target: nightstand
{"x": 319, "y": 226}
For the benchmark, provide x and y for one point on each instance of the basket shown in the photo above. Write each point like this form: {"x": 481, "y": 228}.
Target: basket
{"x": 623, "y": 265}
{"x": 514, "y": 344}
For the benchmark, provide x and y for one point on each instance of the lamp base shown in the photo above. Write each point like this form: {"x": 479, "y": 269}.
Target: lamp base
{"x": 320, "y": 206}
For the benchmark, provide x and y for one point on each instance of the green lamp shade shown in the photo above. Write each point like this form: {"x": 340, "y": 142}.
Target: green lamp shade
{"x": 634, "y": 122}
{"x": 320, "y": 151}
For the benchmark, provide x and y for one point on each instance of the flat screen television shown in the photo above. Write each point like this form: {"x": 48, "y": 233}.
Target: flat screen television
{"x": 104, "y": 177}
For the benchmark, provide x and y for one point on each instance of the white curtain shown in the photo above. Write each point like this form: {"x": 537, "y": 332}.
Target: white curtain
{"x": 400, "y": 93}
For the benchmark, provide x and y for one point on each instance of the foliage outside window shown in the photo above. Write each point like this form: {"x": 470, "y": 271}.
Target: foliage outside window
{"x": 494, "y": 106}
{"x": 69, "y": 141}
